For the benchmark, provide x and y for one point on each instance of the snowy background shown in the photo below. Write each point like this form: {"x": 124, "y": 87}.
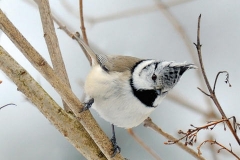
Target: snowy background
{"x": 137, "y": 28}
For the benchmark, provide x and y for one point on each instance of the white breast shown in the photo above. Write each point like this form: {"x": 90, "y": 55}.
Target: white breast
{"x": 113, "y": 98}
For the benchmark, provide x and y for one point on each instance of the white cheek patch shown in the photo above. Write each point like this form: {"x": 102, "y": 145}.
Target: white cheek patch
{"x": 140, "y": 82}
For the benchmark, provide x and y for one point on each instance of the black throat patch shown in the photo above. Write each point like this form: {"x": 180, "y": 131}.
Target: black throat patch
{"x": 147, "y": 97}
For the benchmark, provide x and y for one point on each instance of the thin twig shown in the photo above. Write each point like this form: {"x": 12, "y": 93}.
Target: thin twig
{"x": 227, "y": 80}
{"x": 198, "y": 46}
{"x": 212, "y": 151}
{"x": 204, "y": 92}
{"x": 148, "y": 123}
{"x": 213, "y": 96}
{"x": 148, "y": 149}
{"x": 83, "y": 29}
{"x": 222, "y": 148}
{"x": 191, "y": 135}
{"x": 8, "y": 105}
{"x": 74, "y": 36}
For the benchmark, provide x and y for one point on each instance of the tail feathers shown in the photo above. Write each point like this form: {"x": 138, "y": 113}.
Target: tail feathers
{"x": 89, "y": 51}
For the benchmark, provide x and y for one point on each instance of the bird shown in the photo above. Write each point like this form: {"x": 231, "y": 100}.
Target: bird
{"x": 125, "y": 90}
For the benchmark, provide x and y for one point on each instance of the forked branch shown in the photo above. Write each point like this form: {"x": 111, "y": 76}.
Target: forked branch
{"x": 86, "y": 119}
{"x": 191, "y": 135}
{"x": 52, "y": 44}
{"x": 212, "y": 91}
{"x": 222, "y": 147}
{"x": 149, "y": 123}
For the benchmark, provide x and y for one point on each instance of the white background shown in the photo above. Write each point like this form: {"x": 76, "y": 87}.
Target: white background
{"x": 25, "y": 133}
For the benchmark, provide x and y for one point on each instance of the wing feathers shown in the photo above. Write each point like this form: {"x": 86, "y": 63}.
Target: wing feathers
{"x": 119, "y": 63}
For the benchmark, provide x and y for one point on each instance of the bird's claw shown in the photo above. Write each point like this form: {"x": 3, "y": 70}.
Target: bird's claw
{"x": 116, "y": 149}
{"x": 87, "y": 105}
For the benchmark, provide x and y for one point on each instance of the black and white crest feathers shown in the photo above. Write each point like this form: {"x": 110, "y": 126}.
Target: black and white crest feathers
{"x": 152, "y": 79}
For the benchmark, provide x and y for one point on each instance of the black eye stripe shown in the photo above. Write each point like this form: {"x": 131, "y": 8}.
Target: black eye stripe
{"x": 156, "y": 64}
{"x": 147, "y": 66}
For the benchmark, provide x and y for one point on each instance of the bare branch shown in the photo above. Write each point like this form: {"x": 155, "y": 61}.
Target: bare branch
{"x": 204, "y": 92}
{"x": 83, "y": 29}
{"x": 148, "y": 123}
{"x": 65, "y": 123}
{"x": 211, "y": 149}
{"x": 213, "y": 96}
{"x": 191, "y": 135}
{"x": 222, "y": 148}
{"x": 85, "y": 118}
{"x": 226, "y": 81}
{"x": 75, "y": 36}
{"x": 148, "y": 149}
{"x": 52, "y": 44}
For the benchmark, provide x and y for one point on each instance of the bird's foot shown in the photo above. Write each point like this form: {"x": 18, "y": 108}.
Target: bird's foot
{"x": 87, "y": 105}
{"x": 116, "y": 149}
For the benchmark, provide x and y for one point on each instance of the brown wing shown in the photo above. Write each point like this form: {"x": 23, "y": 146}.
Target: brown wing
{"x": 117, "y": 63}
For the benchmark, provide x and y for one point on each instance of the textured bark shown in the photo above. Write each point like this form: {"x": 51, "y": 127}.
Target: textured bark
{"x": 85, "y": 118}
{"x": 52, "y": 44}
{"x": 65, "y": 123}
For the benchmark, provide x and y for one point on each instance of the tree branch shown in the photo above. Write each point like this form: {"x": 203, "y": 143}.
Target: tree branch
{"x": 222, "y": 148}
{"x": 212, "y": 94}
{"x": 82, "y": 27}
{"x": 52, "y": 44}
{"x": 149, "y": 123}
{"x": 75, "y": 36}
{"x": 85, "y": 118}
{"x": 65, "y": 123}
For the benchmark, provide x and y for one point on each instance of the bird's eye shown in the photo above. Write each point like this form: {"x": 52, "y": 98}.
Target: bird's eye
{"x": 154, "y": 77}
